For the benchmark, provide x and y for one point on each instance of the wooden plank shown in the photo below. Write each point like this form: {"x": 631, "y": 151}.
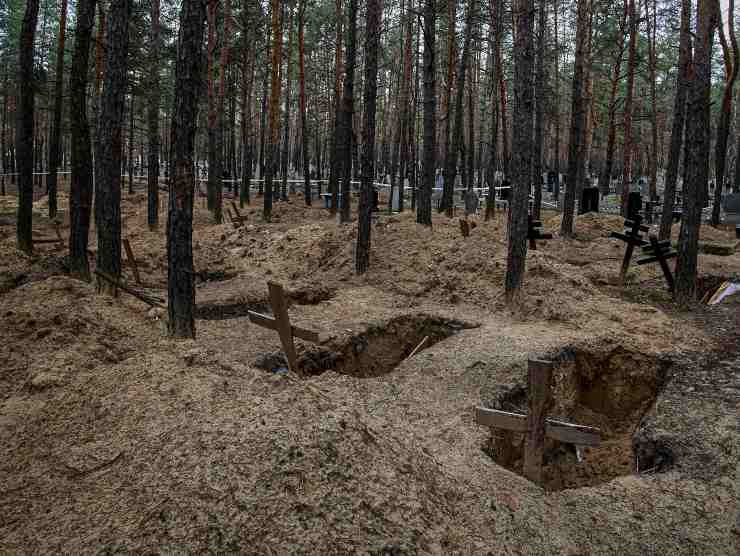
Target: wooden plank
{"x": 282, "y": 322}
{"x": 557, "y": 430}
{"x": 131, "y": 260}
{"x": 266, "y": 321}
{"x": 539, "y": 375}
{"x": 656, "y": 259}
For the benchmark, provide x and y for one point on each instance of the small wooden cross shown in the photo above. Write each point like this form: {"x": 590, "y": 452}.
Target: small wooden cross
{"x": 534, "y": 424}
{"x": 281, "y": 323}
{"x": 659, "y": 251}
{"x": 633, "y": 239}
{"x": 534, "y": 233}
{"x": 131, "y": 260}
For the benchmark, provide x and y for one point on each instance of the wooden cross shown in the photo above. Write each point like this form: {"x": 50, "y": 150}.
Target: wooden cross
{"x": 237, "y": 219}
{"x": 534, "y": 233}
{"x": 131, "y": 260}
{"x": 534, "y": 424}
{"x": 281, "y": 322}
{"x": 466, "y": 227}
{"x": 633, "y": 239}
{"x": 659, "y": 251}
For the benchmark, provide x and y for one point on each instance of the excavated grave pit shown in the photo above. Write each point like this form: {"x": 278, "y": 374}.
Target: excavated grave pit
{"x": 380, "y": 348}
{"x": 611, "y": 391}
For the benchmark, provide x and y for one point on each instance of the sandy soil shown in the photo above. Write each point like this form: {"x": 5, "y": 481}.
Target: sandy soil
{"x": 117, "y": 439}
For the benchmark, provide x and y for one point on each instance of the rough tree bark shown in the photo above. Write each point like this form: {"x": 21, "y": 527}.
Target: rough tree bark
{"x": 81, "y": 182}
{"x": 725, "y": 114}
{"x": 24, "y": 127}
{"x": 302, "y": 102}
{"x": 697, "y": 153}
{"x": 109, "y": 144}
{"x": 274, "y": 113}
{"x": 372, "y": 40}
{"x": 628, "y": 107}
{"x": 577, "y": 140}
{"x": 405, "y": 102}
{"x": 424, "y": 203}
{"x": 539, "y": 119}
{"x": 188, "y": 79}
{"x": 679, "y": 117}
{"x": 652, "y": 23}
{"x": 248, "y": 65}
{"x": 348, "y": 108}
{"x": 286, "y": 122}
{"x": 214, "y": 158}
{"x": 153, "y": 121}
{"x": 457, "y": 139}
{"x": 56, "y": 126}
{"x": 522, "y": 144}
{"x": 447, "y": 191}
{"x": 130, "y": 154}
{"x": 334, "y": 167}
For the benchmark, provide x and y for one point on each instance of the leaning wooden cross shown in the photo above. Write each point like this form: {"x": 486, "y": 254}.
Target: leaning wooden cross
{"x": 659, "y": 251}
{"x": 534, "y": 424}
{"x": 281, "y": 322}
{"x": 237, "y": 219}
{"x": 632, "y": 238}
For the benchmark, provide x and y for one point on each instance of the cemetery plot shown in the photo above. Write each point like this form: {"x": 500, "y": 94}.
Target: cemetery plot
{"x": 546, "y": 440}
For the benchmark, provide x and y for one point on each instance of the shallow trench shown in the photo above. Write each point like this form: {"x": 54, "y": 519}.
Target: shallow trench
{"x": 611, "y": 391}
{"x": 377, "y": 350}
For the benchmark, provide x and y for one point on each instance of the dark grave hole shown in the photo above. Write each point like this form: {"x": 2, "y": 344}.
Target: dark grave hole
{"x": 381, "y": 348}
{"x": 612, "y": 391}
{"x": 708, "y": 284}
{"x": 230, "y": 310}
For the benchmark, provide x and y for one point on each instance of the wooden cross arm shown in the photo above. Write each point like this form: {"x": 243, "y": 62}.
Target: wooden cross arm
{"x": 657, "y": 258}
{"x": 632, "y": 224}
{"x": 267, "y": 321}
{"x": 557, "y": 430}
{"x": 634, "y": 240}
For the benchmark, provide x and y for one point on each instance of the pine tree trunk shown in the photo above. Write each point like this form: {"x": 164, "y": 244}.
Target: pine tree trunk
{"x": 263, "y": 127}
{"x": 725, "y": 115}
{"x": 522, "y": 147}
{"x": 81, "y": 181}
{"x": 556, "y": 103}
{"x": 56, "y": 126}
{"x": 274, "y": 114}
{"x": 577, "y": 140}
{"x": 214, "y": 171}
{"x": 424, "y": 204}
{"x": 334, "y": 168}
{"x": 628, "y": 101}
{"x": 372, "y": 40}
{"x": 302, "y": 102}
{"x": 109, "y": 144}
{"x": 286, "y": 124}
{"x": 679, "y": 116}
{"x": 188, "y": 79}
{"x": 448, "y": 187}
{"x": 539, "y": 114}
{"x": 606, "y": 175}
{"x": 24, "y": 127}
{"x": 248, "y": 74}
{"x": 130, "y": 156}
{"x": 153, "y": 121}
{"x": 348, "y": 109}
{"x": 457, "y": 134}
{"x": 652, "y": 61}
{"x": 698, "y": 130}
{"x": 405, "y": 100}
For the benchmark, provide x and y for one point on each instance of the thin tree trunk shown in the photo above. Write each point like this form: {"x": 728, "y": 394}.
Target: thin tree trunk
{"x": 725, "y": 115}
{"x": 628, "y": 102}
{"x": 522, "y": 147}
{"x": 274, "y": 131}
{"x": 697, "y": 153}
{"x": 56, "y": 126}
{"x": 372, "y": 40}
{"x": 130, "y": 157}
{"x": 188, "y": 79}
{"x": 539, "y": 113}
{"x": 302, "y": 102}
{"x": 348, "y": 108}
{"x": 424, "y": 205}
{"x": 448, "y": 187}
{"x": 652, "y": 60}
{"x": 286, "y": 125}
{"x": 576, "y": 142}
{"x": 556, "y": 115}
{"x": 248, "y": 75}
{"x": 109, "y": 145}
{"x": 81, "y": 180}
{"x": 456, "y": 145}
{"x": 606, "y": 174}
{"x": 679, "y": 116}
{"x": 335, "y": 159}
{"x": 405, "y": 100}
{"x": 214, "y": 174}
{"x": 153, "y": 122}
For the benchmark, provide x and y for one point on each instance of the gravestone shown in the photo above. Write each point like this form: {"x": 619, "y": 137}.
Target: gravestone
{"x": 376, "y": 201}
{"x": 634, "y": 205}
{"x": 732, "y": 208}
{"x": 551, "y": 177}
{"x": 505, "y": 190}
{"x": 589, "y": 200}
